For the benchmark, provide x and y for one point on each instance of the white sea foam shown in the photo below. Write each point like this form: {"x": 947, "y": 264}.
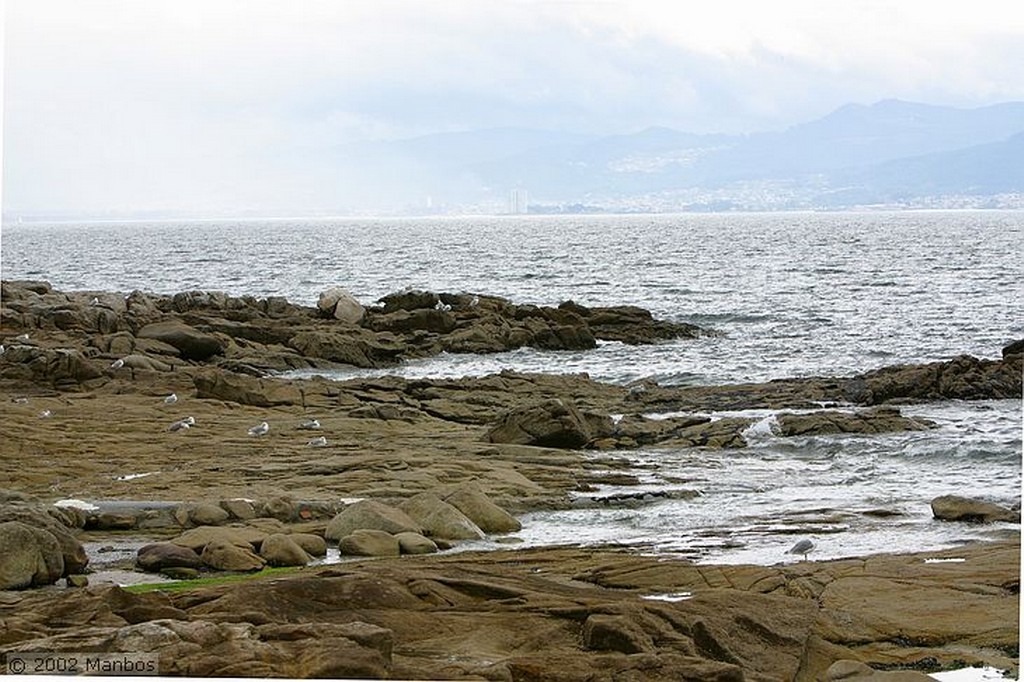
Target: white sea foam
{"x": 76, "y": 504}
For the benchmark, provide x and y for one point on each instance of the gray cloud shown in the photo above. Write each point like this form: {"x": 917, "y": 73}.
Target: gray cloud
{"x": 228, "y": 104}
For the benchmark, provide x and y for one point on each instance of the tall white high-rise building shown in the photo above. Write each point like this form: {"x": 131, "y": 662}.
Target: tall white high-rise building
{"x": 518, "y": 202}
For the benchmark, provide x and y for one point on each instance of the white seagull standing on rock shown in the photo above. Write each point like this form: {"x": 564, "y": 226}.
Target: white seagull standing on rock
{"x": 260, "y": 430}
{"x": 310, "y": 425}
{"x": 117, "y": 364}
{"x": 171, "y": 399}
{"x": 317, "y": 442}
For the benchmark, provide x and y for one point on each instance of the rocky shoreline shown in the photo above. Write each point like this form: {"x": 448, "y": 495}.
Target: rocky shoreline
{"x": 87, "y": 379}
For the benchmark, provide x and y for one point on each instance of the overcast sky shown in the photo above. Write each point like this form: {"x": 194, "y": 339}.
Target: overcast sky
{"x": 125, "y": 105}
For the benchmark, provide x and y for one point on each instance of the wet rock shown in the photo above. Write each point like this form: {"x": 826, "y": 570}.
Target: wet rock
{"x": 553, "y": 423}
{"x": 158, "y": 556}
{"x": 369, "y": 515}
{"x": 281, "y": 550}
{"x": 224, "y": 556}
{"x": 878, "y": 420}
{"x": 440, "y": 519}
{"x": 369, "y": 543}
{"x": 641, "y": 430}
{"x": 350, "y": 346}
{"x": 962, "y": 378}
{"x": 28, "y": 556}
{"x": 414, "y": 543}
{"x": 957, "y": 508}
{"x": 191, "y": 343}
{"x": 479, "y": 508}
{"x": 631, "y": 324}
{"x": 340, "y": 305}
{"x": 1015, "y": 348}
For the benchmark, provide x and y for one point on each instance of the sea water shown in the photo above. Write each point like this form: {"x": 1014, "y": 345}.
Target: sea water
{"x": 792, "y": 294}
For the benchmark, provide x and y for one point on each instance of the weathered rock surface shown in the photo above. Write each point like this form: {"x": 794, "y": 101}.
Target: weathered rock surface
{"x": 439, "y": 519}
{"x": 957, "y": 508}
{"x": 878, "y": 420}
{"x": 558, "y": 614}
{"x": 554, "y": 423}
{"x": 158, "y": 556}
{"x": 28, "y": 556}
{"x": 365, "y": 542}
{"x": 281, "y": 550}
{"x": 224, "y": 556}
{"x": 341, "y": 305}
{"x": 369, "y": 515}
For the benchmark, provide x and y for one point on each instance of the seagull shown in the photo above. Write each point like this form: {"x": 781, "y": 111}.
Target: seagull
{"x": 260, "y": 430}
{"x": 310, "y": 425}
{"x": 19, "y": 401}
{"x": 475, "y": 302}
{"x": 2, "y": 349}
{"x": 94, "y": 301}
{"x": 317, "y": 442}
{"x": 21, "y": 337}
{"x": 802, "y": 547}
{"x": 182, "y": 424}
{"x": 117, "y": 364}
{"x": 171, "y": 399}
{"x": 44, "y": 414}
{"x": 441, "y": 305}
{"x": 637, "y": 389}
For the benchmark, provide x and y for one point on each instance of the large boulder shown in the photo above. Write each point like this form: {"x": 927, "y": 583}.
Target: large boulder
{"x": 28, "y": 556}
{"x": 341, "y": 305}
{"x": 479, "y": 508}
{"x": 414, "y": 543}
{"x": 369, "y": 515}
{"x": 280, "y": 550}
{"x": 957, "y": 508}
{"x": 369, "y": 543}
{"x": 191, "y": 343}
{"x": 553, "y": 423}
{"x": 57, "y": 522}
{"x": 440, "y": 519}
{"x": 224, "y": 556}
{"x": 310, "y": 543}
{"x": 200, "y": 537}
{"x": 160, "y": 555}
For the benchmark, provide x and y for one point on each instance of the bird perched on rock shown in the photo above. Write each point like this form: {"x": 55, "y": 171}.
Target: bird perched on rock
{"x": 260, "y": 430}
{"x": 310, "y": 425}
{"x": 117, "y": 364}
{"x": 21, "y": 337}
{"x": 94, "y": 301}
{"x": 802, "y": 547}
{"x": 182, "y": 424}
{"x": 317, "y": 442}
{"x": 171, "y": 399}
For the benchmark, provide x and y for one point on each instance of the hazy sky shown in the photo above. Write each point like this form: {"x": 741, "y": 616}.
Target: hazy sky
{"x": 213, "y": 105}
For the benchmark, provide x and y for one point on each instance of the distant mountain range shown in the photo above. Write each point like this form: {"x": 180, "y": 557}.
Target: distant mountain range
{"x": 892, "y": 153}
